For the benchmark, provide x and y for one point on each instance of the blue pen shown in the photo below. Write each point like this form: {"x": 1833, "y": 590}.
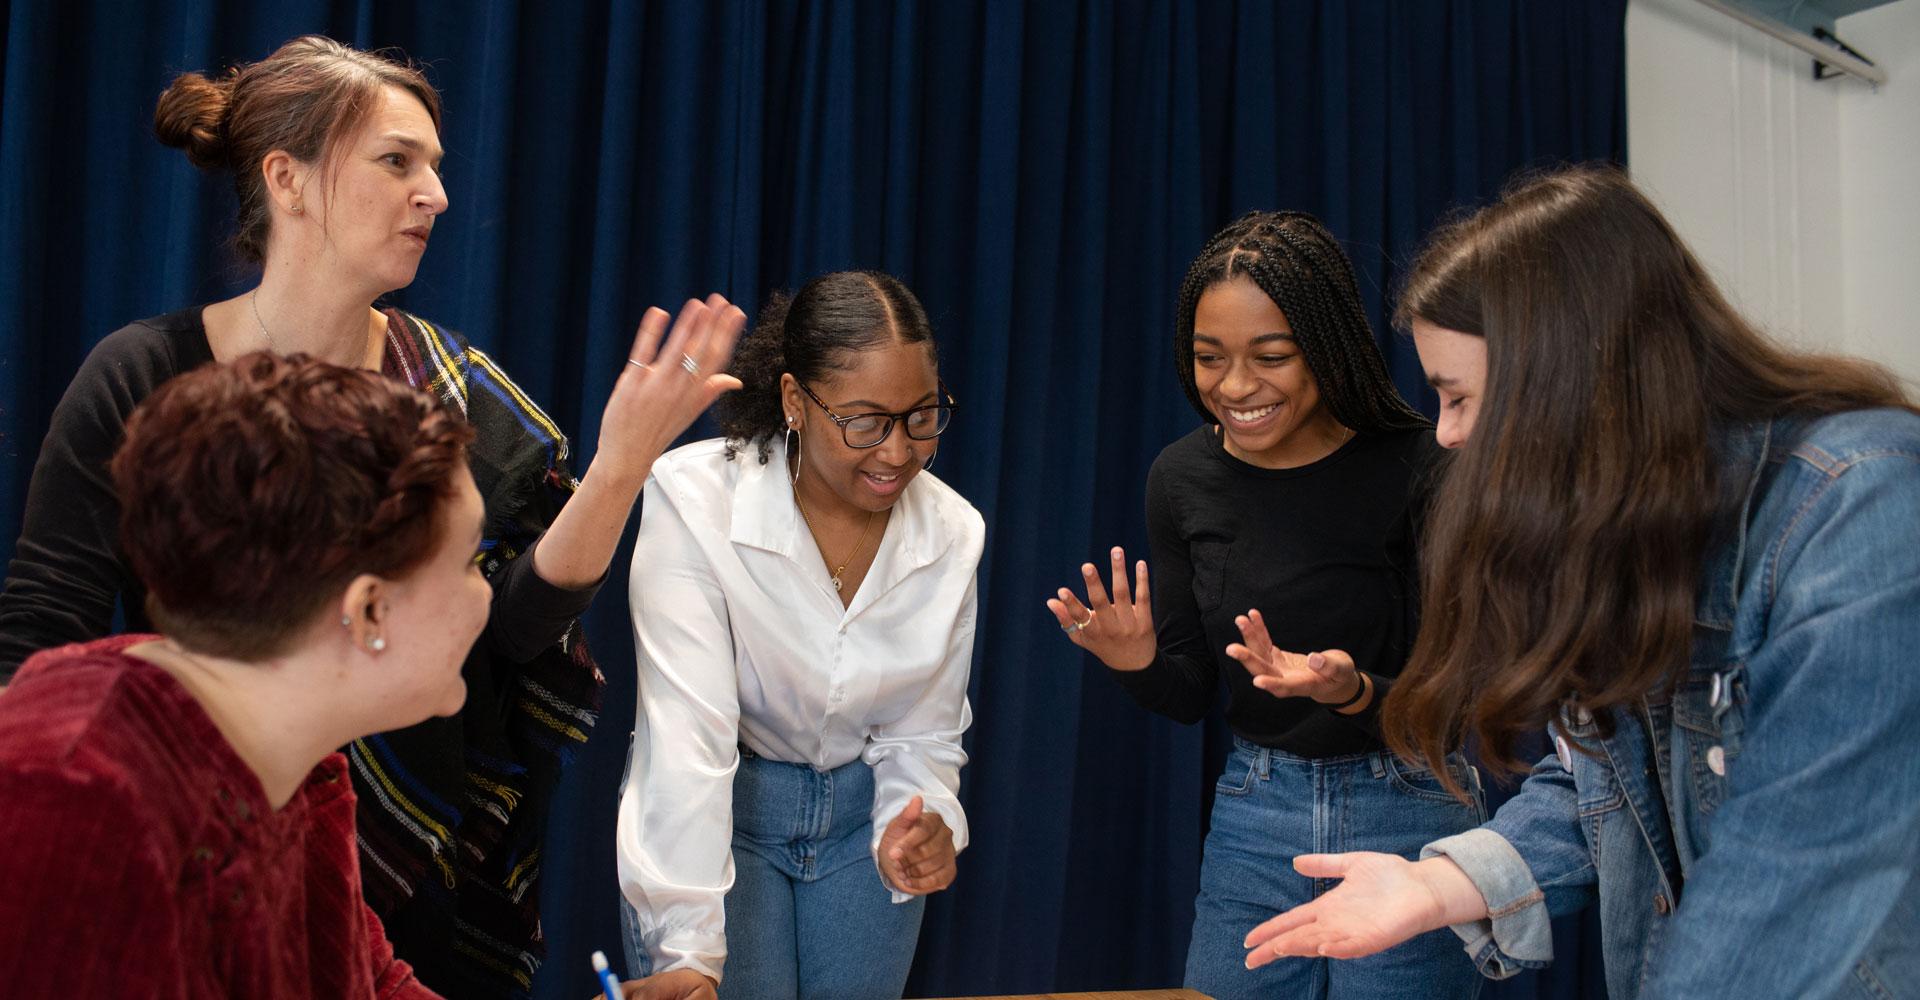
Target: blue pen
{"x": 607, "y": 982}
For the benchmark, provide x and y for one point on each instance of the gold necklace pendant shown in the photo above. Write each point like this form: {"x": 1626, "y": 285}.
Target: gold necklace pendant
{"x": 858, "y": 544}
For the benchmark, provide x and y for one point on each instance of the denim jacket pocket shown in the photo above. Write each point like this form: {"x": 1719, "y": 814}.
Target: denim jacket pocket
{"x": 1709, "y": 715}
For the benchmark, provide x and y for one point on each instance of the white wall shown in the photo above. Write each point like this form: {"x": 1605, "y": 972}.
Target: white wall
{"x": 1800, "y": 195}
{"x": 1880, "y": 190}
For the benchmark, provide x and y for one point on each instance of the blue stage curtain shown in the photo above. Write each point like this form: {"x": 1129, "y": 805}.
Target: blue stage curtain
{"x": 1039, "y": 172}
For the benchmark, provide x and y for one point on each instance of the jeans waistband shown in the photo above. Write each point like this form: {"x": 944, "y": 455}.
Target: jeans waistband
{"x": 1375, "y": 761}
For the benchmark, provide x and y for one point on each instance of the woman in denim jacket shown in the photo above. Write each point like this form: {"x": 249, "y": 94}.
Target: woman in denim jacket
{"x": 1695, "y": 554}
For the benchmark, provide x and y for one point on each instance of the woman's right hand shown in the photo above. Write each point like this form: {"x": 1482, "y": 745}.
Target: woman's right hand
{"x": 1382, "y": 900}
{"x": 1118, "y": 631}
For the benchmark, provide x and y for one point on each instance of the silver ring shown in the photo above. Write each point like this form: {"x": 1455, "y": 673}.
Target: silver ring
{"x": 643, "y": 366}
{"x": 692, "y": 366}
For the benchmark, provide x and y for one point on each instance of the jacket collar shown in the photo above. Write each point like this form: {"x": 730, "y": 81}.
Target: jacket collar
{"x": 1741, "y": 456}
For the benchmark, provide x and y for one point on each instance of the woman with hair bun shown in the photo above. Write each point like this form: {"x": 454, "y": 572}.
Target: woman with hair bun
{"x": 803, "y": 607}
{"x": 335, "y": 155}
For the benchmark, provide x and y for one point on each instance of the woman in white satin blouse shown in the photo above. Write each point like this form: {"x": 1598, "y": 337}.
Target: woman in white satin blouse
{"x": 803, "y": 597}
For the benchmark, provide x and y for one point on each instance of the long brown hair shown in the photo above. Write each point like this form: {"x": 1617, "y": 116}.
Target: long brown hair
{"x": 1564, "y": 549}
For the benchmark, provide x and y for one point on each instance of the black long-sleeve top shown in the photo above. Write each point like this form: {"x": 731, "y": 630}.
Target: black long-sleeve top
{"x": 68, "y": 572}
{"x": 1327, "y": 552}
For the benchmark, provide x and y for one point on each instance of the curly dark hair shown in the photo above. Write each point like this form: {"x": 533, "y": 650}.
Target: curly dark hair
{"x": 252, "y": 492}
{"x": 1300, "y": 266}
{"x": 809, "y": 334}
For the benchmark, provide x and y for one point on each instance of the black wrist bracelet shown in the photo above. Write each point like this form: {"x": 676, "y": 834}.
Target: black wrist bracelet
{"x": 1358, "y": 693}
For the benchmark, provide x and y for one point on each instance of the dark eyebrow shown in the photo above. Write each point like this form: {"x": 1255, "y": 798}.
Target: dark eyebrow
{"x": 1264, "y": 338}
{"x": 1442, "y": 381}
{"x": 411, "y": 143}
{"x": 874, "y": 407}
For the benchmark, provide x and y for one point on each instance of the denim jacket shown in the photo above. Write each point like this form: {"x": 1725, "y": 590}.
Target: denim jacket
{"x": 1757, "y": 833}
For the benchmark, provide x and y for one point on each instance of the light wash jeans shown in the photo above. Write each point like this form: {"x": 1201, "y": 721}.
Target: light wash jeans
{"x": 1270, "y": 806}
{"x": 808, "y": 917}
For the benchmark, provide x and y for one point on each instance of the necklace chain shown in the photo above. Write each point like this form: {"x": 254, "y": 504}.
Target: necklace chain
{"x": 859, "y": 543}
{"x": 254, "y": 298}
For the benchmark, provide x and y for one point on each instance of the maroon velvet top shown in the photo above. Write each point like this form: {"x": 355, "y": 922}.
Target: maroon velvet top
{"x": 139, "y": 857}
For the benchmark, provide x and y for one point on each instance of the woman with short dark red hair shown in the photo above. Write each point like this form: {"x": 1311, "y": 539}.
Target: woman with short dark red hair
{"x": 334, "y": 155}
{"x": 176, "y": 825}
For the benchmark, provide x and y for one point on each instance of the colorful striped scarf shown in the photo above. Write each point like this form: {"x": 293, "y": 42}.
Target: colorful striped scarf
{"x": 452, "y": 811}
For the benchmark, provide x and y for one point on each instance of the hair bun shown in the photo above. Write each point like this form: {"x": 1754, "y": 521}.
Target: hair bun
{"x": 192, "y": 116}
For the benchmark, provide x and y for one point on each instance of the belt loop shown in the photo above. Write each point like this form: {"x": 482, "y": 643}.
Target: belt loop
{"x": 1378, "y": 761}
{"x": 1263, "y": 762}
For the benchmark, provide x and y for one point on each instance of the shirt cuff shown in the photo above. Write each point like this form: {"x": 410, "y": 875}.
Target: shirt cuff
{"x": 1517, "y": 933}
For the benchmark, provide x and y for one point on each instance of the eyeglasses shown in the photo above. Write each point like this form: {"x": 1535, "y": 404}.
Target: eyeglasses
{"x": 866, "y": 430}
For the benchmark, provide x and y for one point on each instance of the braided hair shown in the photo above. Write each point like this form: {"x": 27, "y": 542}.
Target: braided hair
{"x": 808, "y": 334}
{"x": 1300, "y": 266}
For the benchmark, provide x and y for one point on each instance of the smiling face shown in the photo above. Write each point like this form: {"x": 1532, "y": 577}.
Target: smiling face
{"x": 376, "y": 207}
{"x": 1456, "y": 366}
{"x": 892, "y": 378}
{"x": 1250, "y": 373}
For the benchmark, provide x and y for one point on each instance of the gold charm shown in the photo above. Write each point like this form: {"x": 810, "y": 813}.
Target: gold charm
{"x": 836, "y": 584}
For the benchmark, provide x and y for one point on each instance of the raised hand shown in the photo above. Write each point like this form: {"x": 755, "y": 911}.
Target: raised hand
{"x": 663, "y": 387}
{"x": 916, "y": 851}
{"x": 1118, "y": 631}
{"x": 660, "y": 390}
{"x": 1327, "y": 676}
{"x": 1382, "y": 900}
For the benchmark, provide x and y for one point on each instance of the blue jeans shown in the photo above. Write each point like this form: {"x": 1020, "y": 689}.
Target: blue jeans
{"x": 1270, "y": 806}
{"x": 808, "y": 917}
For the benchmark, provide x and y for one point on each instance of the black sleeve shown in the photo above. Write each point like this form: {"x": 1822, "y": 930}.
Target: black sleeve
{"x": 529, "y": 614}
{"x": 67, "y": 571}
{"x": 1181, "y": 682}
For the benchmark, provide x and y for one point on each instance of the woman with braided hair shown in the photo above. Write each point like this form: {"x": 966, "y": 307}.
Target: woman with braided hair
{"x": 1286, "y": 522}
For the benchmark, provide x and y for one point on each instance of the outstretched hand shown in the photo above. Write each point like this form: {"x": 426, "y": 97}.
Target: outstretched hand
{"x": 665, "y": 386}
{"x": 916, "y": 851}
{"x": 1382, "y": 900}
{"x": 1118, "y": 631}
{"x": 1327, "y": 676}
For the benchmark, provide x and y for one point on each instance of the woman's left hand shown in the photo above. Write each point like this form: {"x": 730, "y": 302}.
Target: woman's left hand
{"x": 1327, "y": 676}
{"x": 916, "y": 851}
{"x": 664, "y": 387}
